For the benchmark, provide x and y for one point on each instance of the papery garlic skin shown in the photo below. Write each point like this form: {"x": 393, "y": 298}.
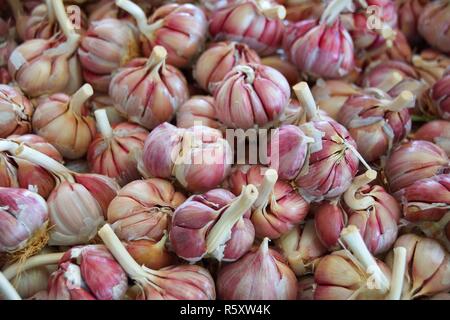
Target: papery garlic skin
{"x": 77, "y": 209}
{"x": 38, "y": 72}
{"x": 33, "y": 176}
{"x": 378, "y": 223}
{"x": 152, "y": 254}
{"x": 330, "y": 95}
{"x": 251, "y": 95}
{"x": 64, "y": 122}
{"x": 114, "y": 154}
{"x": 143, "y": 209}
{"x": 288, "y": 151}
{"x": 182, "y": 30}
{"x": 66, "y": 283}
{"x": 431, "y": 65}
{"x": 15, "y": 112}
{"x": 331, "y": 59}
{"x": 413, "y": 161}
{"x": 329, "y": 220}
{"x": 334, "y": 140}
{"x": 426, "y": 199}
{"x": 427, "y": 266}
{"x": 198, "y": 157}
{"x": 182, "y": 282}
{"x": 107, "y": 45}
{"x": 245, "y": 22}
{"x": 375, "y": 128}
{"x": 302, "y": 248}
{"x": 215, "y": 62}
{"x": 198, "y": 110}
{"x": 280, "y": 209}
{"x": 100, "y": 272}
{"x": 408, "y": 18}
{"x": 261, "y": 274}
{"x": 436, "y": 131}
{"x": 440, "y": 97}
{"x": 194, "y": 220}
{"x": 339, "y": 276}
{"x": 23, "y": 214}
{"x": 149, "y": 91}
{"x": 377, "y": 72}
{"x": 433, "y": 21}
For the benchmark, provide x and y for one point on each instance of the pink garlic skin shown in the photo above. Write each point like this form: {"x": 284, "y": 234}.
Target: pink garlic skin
{"x": 243, "y": 22}
{"x": 182, "y": 282}
{"x": 146, "y": 97}
{"x": 399, "y": 50}
{"x": 440, "y": 96}
{"x": 426, "y": 199}
{"x": 330, "y": 95}
{"x": 337, "y": 277}
{"x": 436, "y": 131}
{"x": 215, "y": 62}
{"x": 376, "y": 72}
{"x": 408, "y": 18}
{"x": 193, "y": 220}
{"x": 69, "y": 129}
{"x": 77, "y": 209}
{"x": 143, "y": 209}
{"x": 431, "y": 65}
{"x": 198, "y": 110}
{"x": 38, "y": 73}
{"x": 262, "y": 274}
{"x": 320, "y": 50}
{"x": 287, "y": 151}
{"x": 302, "y": 248}
{"x": 22, "y": 214}
{"x": 433, "y": 24}
{"x": 329, "y": 220}
{"x": 364, "y": 38}
{"x": 182, "y": 34}
{"x": 208, "y": 157}
{"x": 251, "y": 95}
{"x": 332, "y": 168}
{"x": 15, "y": 112}
{"x": 377, "y": 224}
{"x": 7, "y": 46}
{"x": 115, "y": 156}
{"x": 107, "y": 45}
{"x": 8, "y": 172}
{"x": 30, "y": 174}
{"x": 37, "y": 24}
{"x": 413, "y": 161}
{"x": 66, "y": 283}
{"x": 374, "y": 128}
{"x": 427, "y": 266}
{"x": 285, "y": 207}
{"x": 99, "y": 270}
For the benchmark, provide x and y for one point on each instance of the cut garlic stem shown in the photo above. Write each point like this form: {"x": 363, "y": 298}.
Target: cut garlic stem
{"x": 398, "y": 274}
{"x": 63, "y": 21}
{"x": 158, "y": 55}
{"x": 79, "y": 98}
{"x": 404, "y": 99}
{"x": 351, "y": 236}
{"x": 36, "y": 261}
{"x": 7, "y": 290}
{"x": 334, "y": 9}
{"x": 390, "y": 81}
{"x": 306, "y": 98}
{"x": 117, "y": 249}
{"x": 350, "y": 195}
{"x": 271, "y": 11}
{"x": 248, "y": 71}
{"x": 23, "y": 152}
{"x": 266, "y": 188}
{"x": 139, "y": 15}
{"x": 221, "y": 230}
{"x": 103, "y": 124}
